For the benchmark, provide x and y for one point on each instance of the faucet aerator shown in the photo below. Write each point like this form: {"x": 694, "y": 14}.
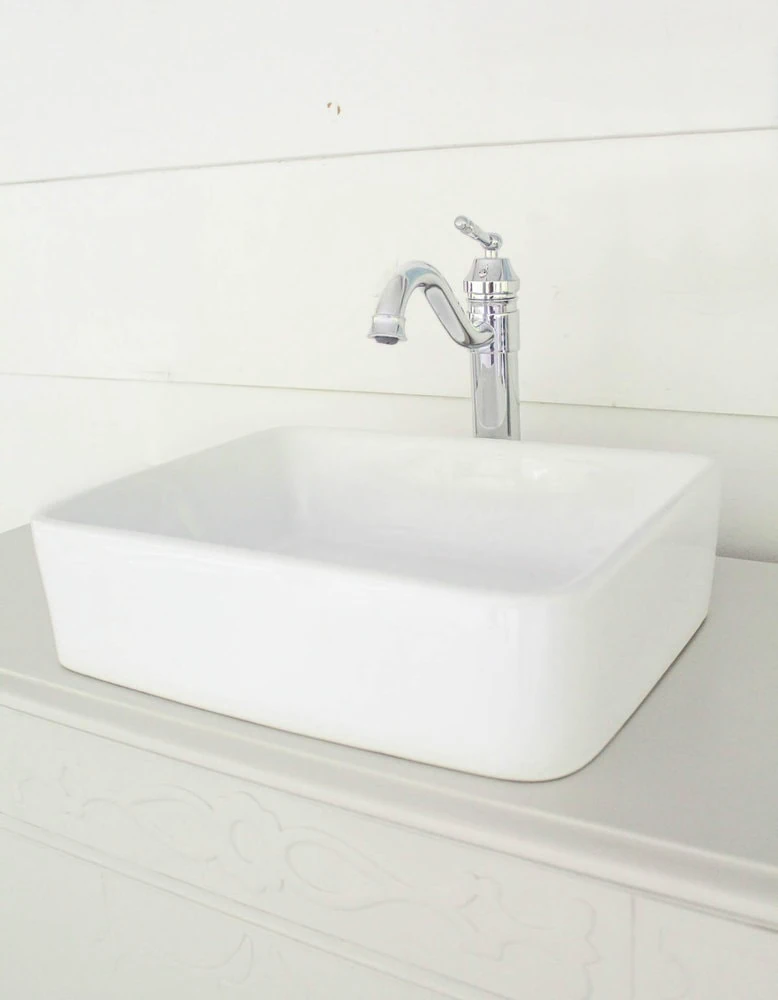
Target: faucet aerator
{"x": 387, "y": 328}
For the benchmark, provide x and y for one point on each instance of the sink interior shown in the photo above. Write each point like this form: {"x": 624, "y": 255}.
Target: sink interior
{"x": 533, "y": 517}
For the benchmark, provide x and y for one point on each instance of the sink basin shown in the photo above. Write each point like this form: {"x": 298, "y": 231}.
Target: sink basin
{"x": 491, "y": 606}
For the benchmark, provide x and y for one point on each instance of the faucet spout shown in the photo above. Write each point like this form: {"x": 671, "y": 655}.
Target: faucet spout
{"x": 388, "y": 325}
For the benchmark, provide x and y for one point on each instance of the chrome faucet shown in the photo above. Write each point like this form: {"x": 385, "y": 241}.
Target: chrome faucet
{"x": 489, "y": 329}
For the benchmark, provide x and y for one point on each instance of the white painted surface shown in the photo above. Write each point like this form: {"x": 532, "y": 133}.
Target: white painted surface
{"x": 59, "y": 435}
{"x": 690, "y": 956}
{"x": 680, "y": 804}
{"x": 647, "y": 267}
{"x": 101, "y": 86}
{"x": 390, "y": 592}
{"x": 70, "y": 928}
{"x": 432, "y": 910}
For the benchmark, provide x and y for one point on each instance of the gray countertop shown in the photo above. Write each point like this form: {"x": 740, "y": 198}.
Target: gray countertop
{"x": 683, "y": 803}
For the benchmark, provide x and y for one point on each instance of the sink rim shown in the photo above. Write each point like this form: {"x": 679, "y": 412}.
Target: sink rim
{"x": 617, "y": 553}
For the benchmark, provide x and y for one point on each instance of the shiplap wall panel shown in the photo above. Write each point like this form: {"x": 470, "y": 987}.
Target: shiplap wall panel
{"x": 102, "y": 85}
{"x": 648, "y": 271}
{"x": 58, "y": 436}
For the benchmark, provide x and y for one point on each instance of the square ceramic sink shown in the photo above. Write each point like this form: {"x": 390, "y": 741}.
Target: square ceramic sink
{"x": 491, "y": 606}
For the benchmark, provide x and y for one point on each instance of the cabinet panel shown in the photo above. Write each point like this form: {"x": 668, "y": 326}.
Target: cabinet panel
{"x": 70, "y": 930}
{"x": 478, "y": 917}
{"x": 683, "y": 955}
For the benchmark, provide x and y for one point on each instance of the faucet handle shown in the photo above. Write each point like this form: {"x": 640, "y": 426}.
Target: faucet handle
{"x": 491, "y": 242}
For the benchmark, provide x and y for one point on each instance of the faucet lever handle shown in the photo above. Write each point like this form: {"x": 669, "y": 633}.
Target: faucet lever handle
{"x": 489, "y": 241}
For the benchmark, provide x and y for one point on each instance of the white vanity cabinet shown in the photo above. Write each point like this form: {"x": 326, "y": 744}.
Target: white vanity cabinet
{"x": 682, "y": 955}
{"x": 438, "y": 914}
{"x": 150, "y": 849}
{"x": 76, "y": 929}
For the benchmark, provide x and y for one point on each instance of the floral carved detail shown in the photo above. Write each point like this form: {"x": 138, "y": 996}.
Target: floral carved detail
{"x": 673, "y": 980}
{"x": 232, "y": 842}
{"x": 145, "y": 927}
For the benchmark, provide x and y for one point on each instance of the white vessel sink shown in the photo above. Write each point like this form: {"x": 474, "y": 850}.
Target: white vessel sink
{"x": 491, "y": 606}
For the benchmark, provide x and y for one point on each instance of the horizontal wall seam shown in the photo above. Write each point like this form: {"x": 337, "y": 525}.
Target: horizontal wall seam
{"x": 137, "y": 380}
{"x": 307, "y": 157}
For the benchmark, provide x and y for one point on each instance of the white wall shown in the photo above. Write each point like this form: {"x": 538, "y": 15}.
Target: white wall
{"x": 236, "y": 235}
